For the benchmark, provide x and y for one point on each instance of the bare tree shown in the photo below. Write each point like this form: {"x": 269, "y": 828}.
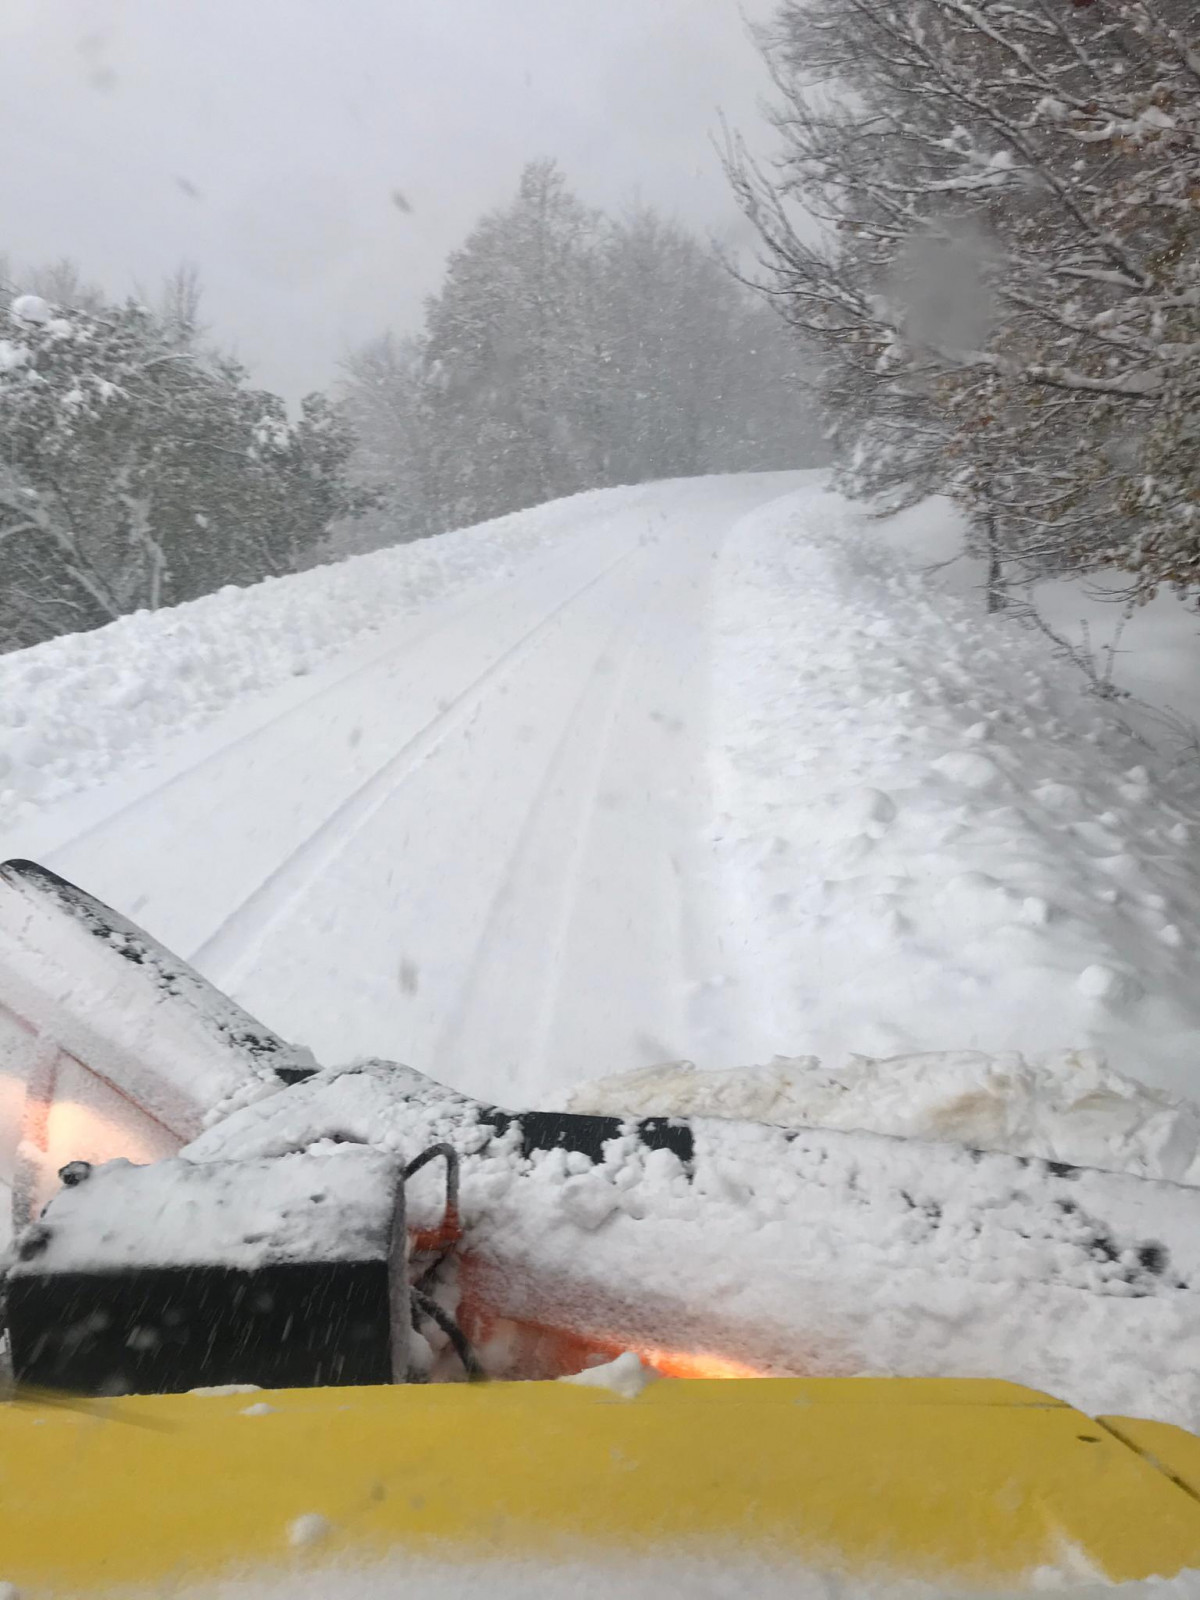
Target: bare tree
{"x": 178, "y": 304}
{"x": 986, "y": 211}
{"x": 62, "y": 283}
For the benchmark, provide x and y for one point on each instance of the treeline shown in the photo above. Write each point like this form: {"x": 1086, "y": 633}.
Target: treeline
{"x": 140, "y": 467}
{"x": 569, "y": 350}
{"x": 986, "y": 214}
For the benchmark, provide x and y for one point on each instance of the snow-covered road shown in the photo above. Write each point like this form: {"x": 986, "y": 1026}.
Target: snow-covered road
{"x": 470, "y": 843}
{"x": 712, "y": 769}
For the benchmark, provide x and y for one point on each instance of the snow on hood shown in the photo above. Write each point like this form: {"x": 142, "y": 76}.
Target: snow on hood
{"x": 728, "y": 1575}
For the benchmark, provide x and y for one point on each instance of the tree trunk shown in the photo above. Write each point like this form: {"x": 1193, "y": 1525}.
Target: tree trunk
{"x": 997, "y": 590}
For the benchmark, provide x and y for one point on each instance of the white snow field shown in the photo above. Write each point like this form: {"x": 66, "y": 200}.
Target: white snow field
{"x": 84, "y": 708}
{"x": 709, "y": 769}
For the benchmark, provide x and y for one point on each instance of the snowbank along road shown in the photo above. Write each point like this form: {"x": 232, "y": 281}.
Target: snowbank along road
{"x": 471, "y": 842}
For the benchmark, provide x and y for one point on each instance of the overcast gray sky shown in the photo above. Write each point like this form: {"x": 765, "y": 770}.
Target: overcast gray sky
{"x": 264, "y": 140}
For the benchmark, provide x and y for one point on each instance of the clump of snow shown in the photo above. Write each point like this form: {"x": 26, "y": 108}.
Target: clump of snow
{"x": 259, "y": 1409}
{"x": 1022, "y": 878}
{"x": 309, "y": 1529}
{"x": 82, "y": 708}
{"x": 32, "y": 308}
{"x": 1068, "y": 1107}
{"x": 963, "y": 766}
{"x": 624, "y": 1376}
{"x": 311, "y": 1207}
{"x": 221, "y": 1390}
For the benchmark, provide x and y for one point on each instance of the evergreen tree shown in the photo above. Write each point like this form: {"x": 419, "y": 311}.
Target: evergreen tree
{"x": 506, "y": 355}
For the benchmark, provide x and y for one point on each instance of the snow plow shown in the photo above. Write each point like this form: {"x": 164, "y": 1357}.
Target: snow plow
{"x": 275, "y": 1319}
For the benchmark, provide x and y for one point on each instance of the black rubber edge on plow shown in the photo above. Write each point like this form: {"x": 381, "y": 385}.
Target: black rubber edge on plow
{"x": 587, "y": 1135}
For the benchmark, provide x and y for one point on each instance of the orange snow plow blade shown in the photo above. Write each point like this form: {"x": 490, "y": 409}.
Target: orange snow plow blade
{"x": 971, "y": 1483}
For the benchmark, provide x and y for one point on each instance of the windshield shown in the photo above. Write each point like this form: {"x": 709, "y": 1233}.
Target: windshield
{"x": 599, "y": 736}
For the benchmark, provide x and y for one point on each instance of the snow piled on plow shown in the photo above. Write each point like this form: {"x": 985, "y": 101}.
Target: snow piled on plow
{"x": 1068, "y": 1107}
{"x": 931, "y": 839}
{"x": 803, "y": 1252}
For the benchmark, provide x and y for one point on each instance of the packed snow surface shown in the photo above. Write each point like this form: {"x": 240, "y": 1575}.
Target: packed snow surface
{"x": 712, "y": 770}
{"x": 474, "y": 843}
{"x": 87, "y": 707}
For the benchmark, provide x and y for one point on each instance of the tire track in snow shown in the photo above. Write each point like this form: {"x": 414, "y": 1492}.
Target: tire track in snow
{"x": 594, "y": 706}
{"x": 230, "y": 949}
{"x": 554, "y": 978}
{"x": 618, "y": 992}
{"x": 422, "y": 631}
{"x": 549, "y": 1006}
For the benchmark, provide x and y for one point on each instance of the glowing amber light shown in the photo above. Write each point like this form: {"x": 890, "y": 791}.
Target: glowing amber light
{"x": 695, "y": 1364}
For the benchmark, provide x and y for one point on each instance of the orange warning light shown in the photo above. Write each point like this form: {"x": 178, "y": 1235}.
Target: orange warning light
{"x": 695, "y": 1364}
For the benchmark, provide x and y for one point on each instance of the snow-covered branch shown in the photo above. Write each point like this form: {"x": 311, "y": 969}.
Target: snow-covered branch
{"x": 1009, "y": 294}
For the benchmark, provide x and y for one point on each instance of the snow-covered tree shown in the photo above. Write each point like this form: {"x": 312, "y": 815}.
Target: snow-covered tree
{"x": 695, "y": 376}
{"x": 986, "y": 212}
{"x": 506, "y": 355}
{"x": 76, "y": 394}
{"x": 137, "y": 472}
{"x": 384, "y": 406}
{"x": 568, "y": 351}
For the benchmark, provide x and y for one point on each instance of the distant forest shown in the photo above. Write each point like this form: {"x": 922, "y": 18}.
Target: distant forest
{"x": 565, "y": 350}
{"x": 977, "y": 274}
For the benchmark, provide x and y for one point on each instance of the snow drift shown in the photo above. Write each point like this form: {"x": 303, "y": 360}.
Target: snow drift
{"x": 1068, "y": 1107}
{"x": 931, "y": 839}
{"x": 87, "y": 706}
